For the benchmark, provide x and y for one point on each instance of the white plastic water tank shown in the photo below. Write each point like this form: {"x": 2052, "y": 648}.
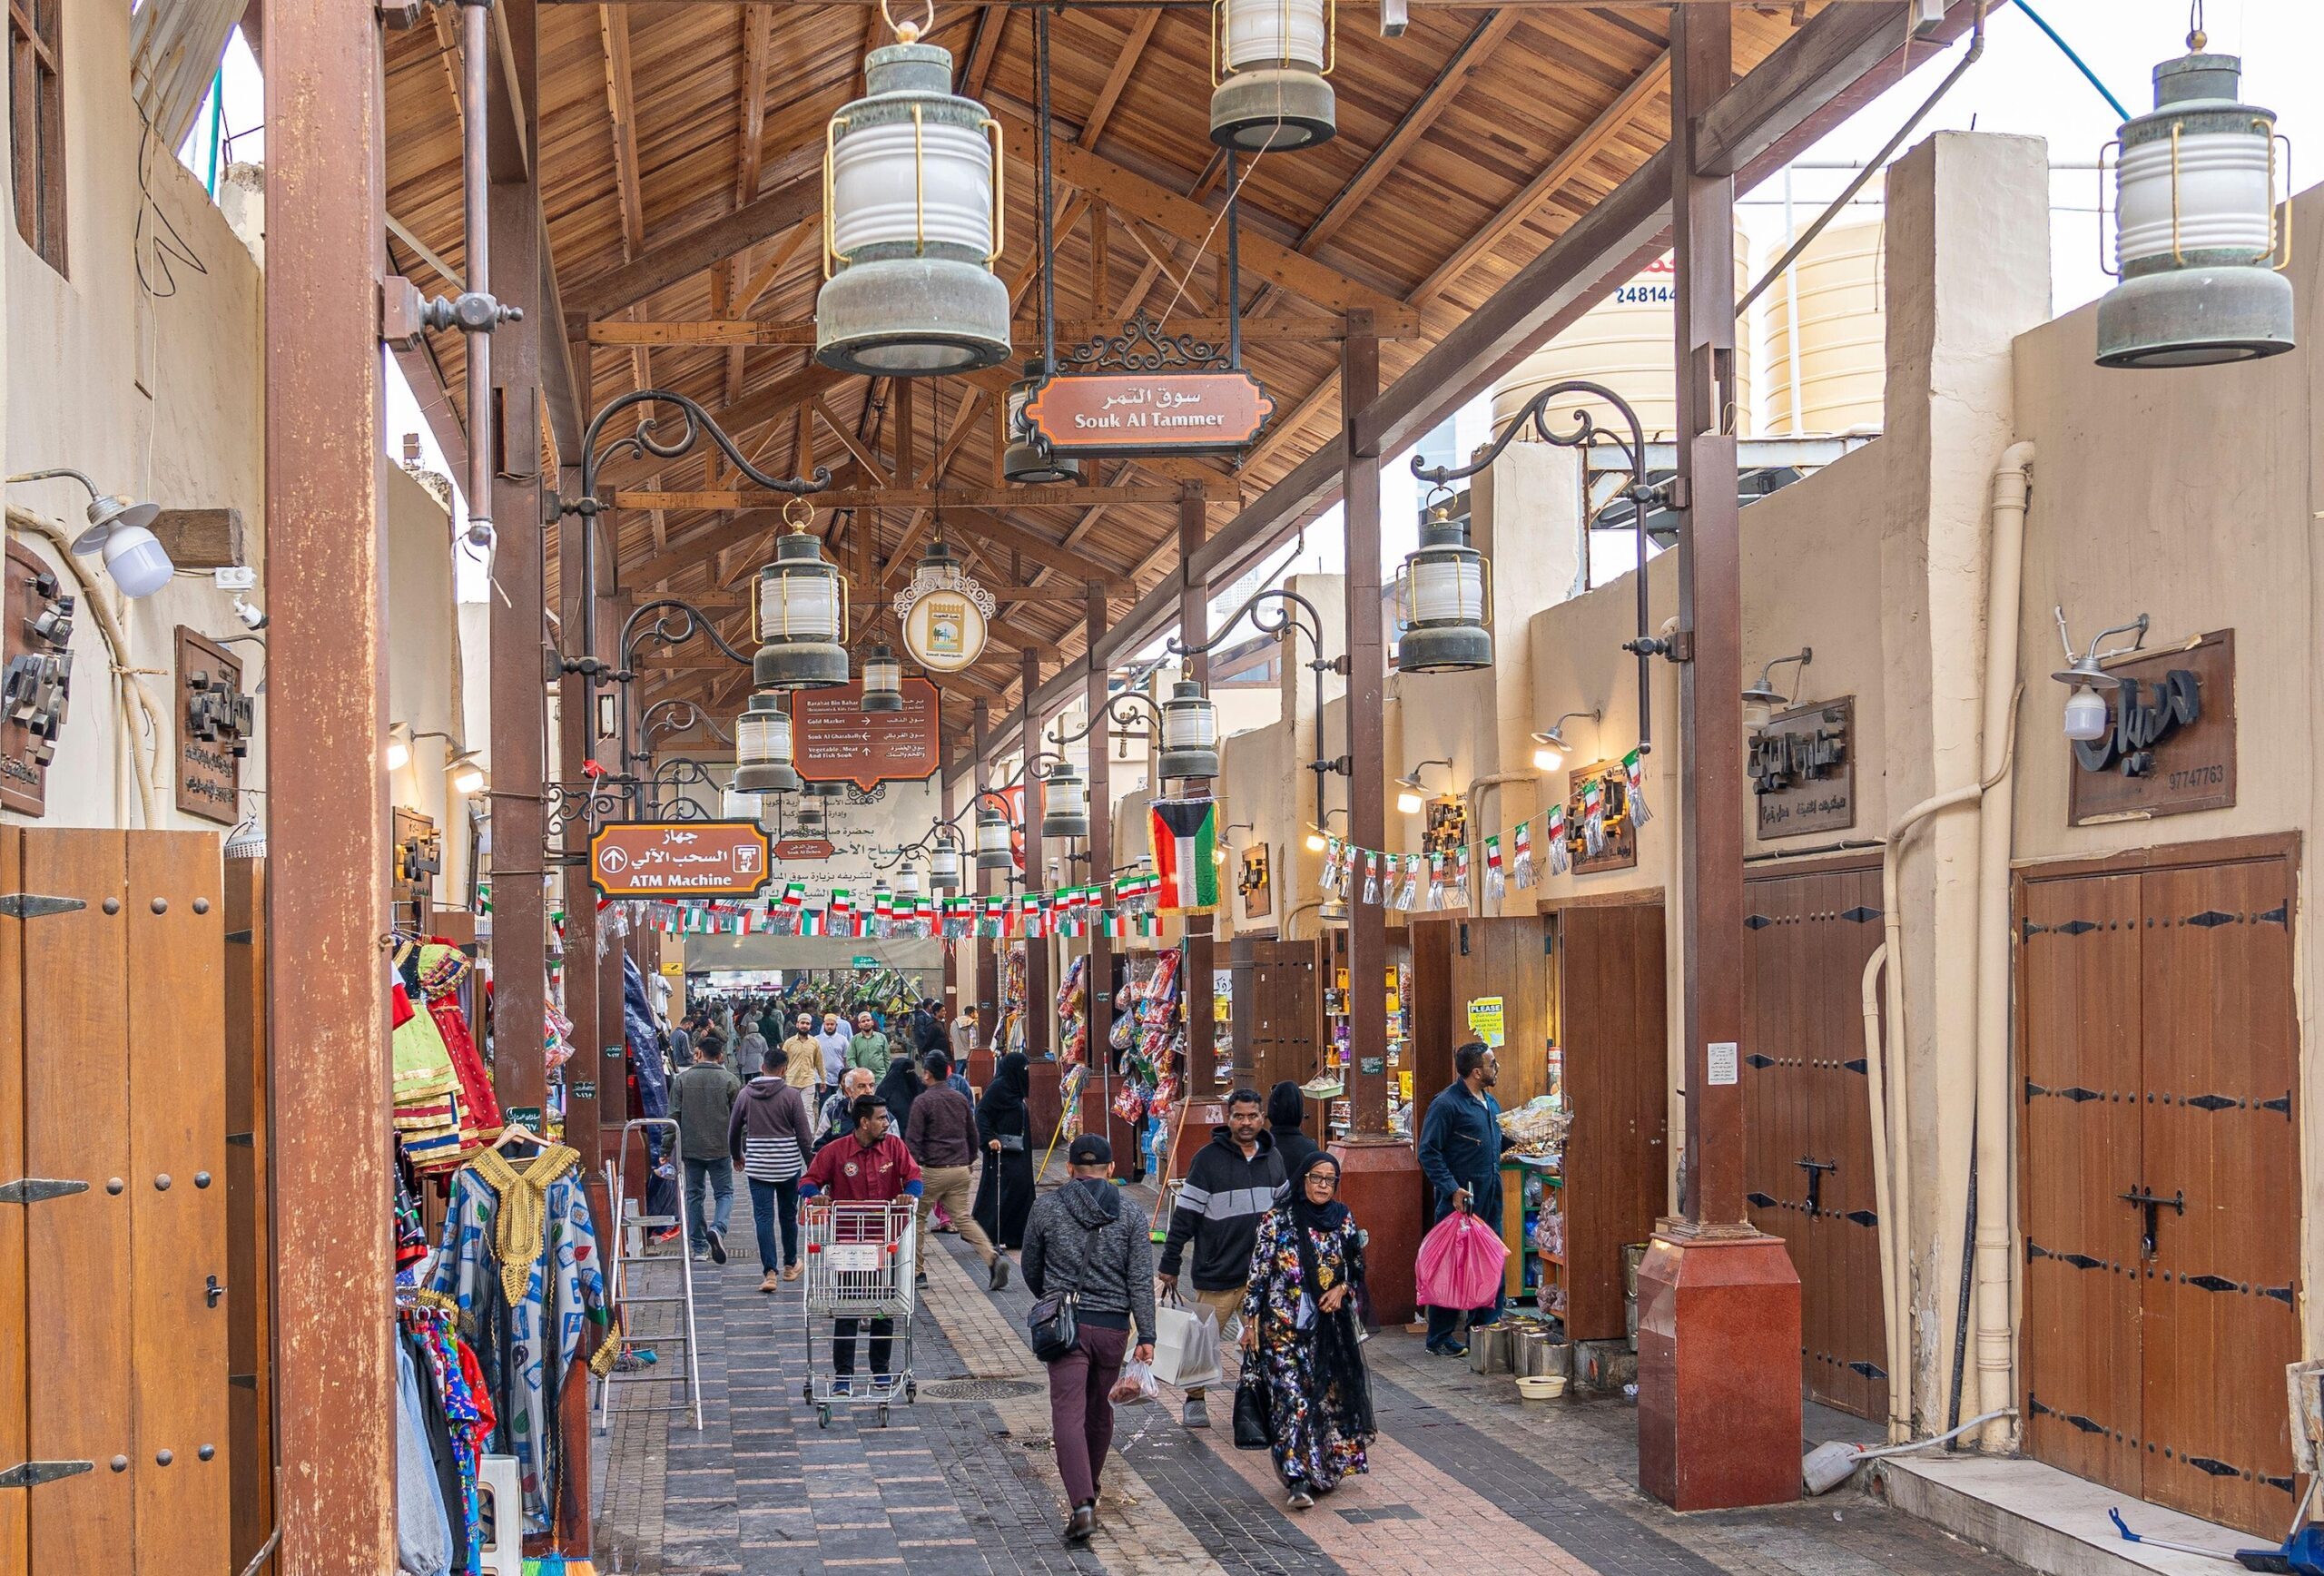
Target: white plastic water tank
{"x": 1832, "y": 375}
{"x": 1627, "y": 343}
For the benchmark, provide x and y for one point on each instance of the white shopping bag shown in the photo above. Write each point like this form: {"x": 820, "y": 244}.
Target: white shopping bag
{"x": 1186, "y": 1347}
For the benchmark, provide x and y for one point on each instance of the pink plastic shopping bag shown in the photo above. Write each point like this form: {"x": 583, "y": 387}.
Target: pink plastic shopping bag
{"x": 1461, "y": 1264}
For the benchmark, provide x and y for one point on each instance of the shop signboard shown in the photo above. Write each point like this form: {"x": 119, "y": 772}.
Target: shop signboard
{"x": 672, "y": 858}
{"x": 215, "y": 722}
{"x": 834, "y": 740}
{"x": 1803, "y": 770}
{"x": 2171, "y": 745}
{"x": 1486, "y": 1019}
{"x": 37, "y": 618}
{"x": 1215, "y": 411}
{"x": 1616, "y": 844}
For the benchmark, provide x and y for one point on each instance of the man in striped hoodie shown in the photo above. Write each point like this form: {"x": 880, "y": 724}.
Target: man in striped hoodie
{"x": 1232, "y": 1182}
{"x": 769, "y": 1137}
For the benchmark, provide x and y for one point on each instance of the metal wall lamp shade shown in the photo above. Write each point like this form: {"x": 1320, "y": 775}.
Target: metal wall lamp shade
{"x": 1029, "y": 458}
{"x": 1443, "y": 591}
{"x": 2197, "y": 236}
{"x": 883, "y": 681}
{"x": 911, "y": 223}
{"x": 800, "y": 618}
{"x": 1064, "y": 805}
{"x": 1269, "y": 62}
{"x": 1189, "y": 734}
{"x": 994, "y": 849}
{"x": 762, "y": 748}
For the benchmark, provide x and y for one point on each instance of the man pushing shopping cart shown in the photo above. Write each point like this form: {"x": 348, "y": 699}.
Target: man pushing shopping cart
{"x": 861, "y": 1200}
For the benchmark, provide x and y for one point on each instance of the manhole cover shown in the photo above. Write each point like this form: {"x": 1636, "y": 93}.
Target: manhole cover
{"x": 977, "y": 1389}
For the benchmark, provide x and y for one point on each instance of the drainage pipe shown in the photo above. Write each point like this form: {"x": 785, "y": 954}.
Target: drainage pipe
{"x": 1900, "y": 1375}
{"x": 2011, "y": 484}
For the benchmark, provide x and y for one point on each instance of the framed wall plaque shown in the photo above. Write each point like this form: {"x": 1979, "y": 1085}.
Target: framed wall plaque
{"x": 38, "y": 619}
{"x": 215, "y": 722}
{"x": 2171, "y": 748}
{"x": 1803, "y": 770}
{"x": 1617, "y": 847}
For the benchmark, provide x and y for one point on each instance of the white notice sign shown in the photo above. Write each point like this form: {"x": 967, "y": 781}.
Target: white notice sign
{"x": 1722, "y": 1061}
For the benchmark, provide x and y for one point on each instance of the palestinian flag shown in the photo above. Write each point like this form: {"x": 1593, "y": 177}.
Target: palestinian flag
{"x": 1186, "y": 844}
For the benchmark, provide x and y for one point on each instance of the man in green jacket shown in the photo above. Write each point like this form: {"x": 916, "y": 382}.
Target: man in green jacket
{"x": 868, "y": 1048}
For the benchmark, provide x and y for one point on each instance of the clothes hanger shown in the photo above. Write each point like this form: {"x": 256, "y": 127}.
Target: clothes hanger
{"x": 517, "y": 1132}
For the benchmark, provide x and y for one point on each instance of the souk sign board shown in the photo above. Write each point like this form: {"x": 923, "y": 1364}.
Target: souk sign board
{"x": 835, "y": 740}
{"x": 1134, "y": 413}
{"x": 692, "y": 859}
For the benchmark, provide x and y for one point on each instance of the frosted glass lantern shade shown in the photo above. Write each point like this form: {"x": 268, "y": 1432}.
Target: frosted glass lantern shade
{"x": 2087, "y": 714}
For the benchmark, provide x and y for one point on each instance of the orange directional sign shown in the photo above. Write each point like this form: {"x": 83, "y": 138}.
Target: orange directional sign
{"x": 689, "y": 859}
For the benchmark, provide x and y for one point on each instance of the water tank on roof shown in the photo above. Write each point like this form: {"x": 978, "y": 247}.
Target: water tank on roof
{"x": 1628, "y": 342}
{"x": 1832, "y": 375}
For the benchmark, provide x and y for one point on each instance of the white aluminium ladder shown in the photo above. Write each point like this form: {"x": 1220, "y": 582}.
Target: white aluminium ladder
{"x": 633, "y": 1248}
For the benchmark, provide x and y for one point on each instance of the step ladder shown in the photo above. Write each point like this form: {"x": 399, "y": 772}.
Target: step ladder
{"x": 634, "y": 1249}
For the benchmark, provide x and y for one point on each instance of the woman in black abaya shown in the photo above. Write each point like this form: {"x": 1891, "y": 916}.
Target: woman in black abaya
{"x": 1005, "y": 1127}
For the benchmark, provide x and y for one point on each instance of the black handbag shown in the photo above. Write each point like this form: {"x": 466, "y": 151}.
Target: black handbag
{"x": 1054, "y": 1323}
{"x": 1253, "y": 1426}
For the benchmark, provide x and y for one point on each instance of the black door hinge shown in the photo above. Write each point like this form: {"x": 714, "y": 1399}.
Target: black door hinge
{"x": 33, "y": 905}
{"x": 31, "y": 1475}
{"x": 38, "y": 1189}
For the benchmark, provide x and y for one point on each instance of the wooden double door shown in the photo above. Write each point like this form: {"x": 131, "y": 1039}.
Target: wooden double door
{"x": 2159, "y": 1177}
{"x": 1808, "y": 1115}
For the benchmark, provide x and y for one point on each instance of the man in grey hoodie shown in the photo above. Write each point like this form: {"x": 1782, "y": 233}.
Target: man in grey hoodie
{"x": 1086, "y": 1239}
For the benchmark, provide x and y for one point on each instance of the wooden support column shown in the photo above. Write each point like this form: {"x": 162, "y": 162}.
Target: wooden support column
{"x": 988, "y": 968}
{"x": 1380, "y": 1172}
{"x": 947, "y": 801}
{"x": 328, "y": 822}
{"x": 1202, "y": 1025}
{"x": 1039, "y": 1007}
{"x": 519, "y": 697}
{"x": 1719, "y": 1302}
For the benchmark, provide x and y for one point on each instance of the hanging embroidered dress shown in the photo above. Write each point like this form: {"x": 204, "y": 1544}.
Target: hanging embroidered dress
{"x": 443, "y": 970}
{"x": 518, "y": 1263}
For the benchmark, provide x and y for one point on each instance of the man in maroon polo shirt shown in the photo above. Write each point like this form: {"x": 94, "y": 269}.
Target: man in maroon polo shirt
{"x": 870, "y": 1165}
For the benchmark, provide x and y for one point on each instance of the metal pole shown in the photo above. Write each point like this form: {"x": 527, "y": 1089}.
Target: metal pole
{"x": 1101, "y": 864}
{"x": 334, "y": 1268}
{"x": 476, "y": 67}
{"x": 1037, "y": 1005}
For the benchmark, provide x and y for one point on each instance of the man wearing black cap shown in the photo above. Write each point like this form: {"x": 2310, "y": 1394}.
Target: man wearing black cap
{"x": 1086, "y": 1239}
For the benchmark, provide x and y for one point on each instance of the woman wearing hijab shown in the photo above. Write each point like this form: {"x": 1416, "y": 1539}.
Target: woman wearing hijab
{"x": 1299, "y": 1325}
{"x": 1285, "y": 1109}
{"x": 1005, "y": 1126}
{"x": 899, "y": 1089}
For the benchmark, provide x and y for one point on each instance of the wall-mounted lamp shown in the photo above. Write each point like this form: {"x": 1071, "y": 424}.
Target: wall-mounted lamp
{"x": 1761, "y": 700}
{"x": 1218, "y": 853}
{"x": 467, "y": 773}
{"x": 132, "y": 554}
{"x": 1550, "y": 746}
{"x": 1413, "y": 795}
{"x": 399, "y": 753}
{"x": 2087, "y": 712}
{"x": 1316, "y": 838}
{"x": 1065, "y": 803}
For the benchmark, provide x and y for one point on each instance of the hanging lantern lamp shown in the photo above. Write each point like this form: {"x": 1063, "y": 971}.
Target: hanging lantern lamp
{"x": 911, "y": 222}
{"x": 800, "y": 618}
{"x": 994, "y": 849}
{"x": 1189, "y": 734}
{"x": 1269, "y": 62}
{"x": 1441, "y": 599}
{"x": 1065, "y": 803}
{"x": 2198, "y": 246}
{"x": 762, "y": 748}
{"x": 883, "y": 681}
{"x": 944, "y": 869}
{"x": 1029, "y": 458}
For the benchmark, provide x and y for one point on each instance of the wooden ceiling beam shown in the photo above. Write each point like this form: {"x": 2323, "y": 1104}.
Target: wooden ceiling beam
{"x": 1141, "y": 28}
{"x": 992, "y": 529}
{"x": 685, "y": 255}
{"x": 849, "y": 441}
{"x": 799, "y": 332}
{"x": 1061, "y": 496}
{"x": 1137, "y": 197}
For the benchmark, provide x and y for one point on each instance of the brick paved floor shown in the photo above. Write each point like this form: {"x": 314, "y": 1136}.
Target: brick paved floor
{"x": 968, "y": 1486}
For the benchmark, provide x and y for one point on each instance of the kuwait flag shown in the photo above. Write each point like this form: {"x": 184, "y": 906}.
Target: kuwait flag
{"x": 811, "y": 922}
{"x": 1186, "y": 841}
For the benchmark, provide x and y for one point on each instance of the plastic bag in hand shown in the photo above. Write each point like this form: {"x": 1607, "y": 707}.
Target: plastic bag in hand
{"x": 1136, "y": 1384}
{"x": 1459, "y": 1265}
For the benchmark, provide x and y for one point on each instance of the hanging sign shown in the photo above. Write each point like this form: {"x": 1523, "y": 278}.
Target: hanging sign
{"x": 708, "y": 859}
{"x": 944, "y": 613}
{"x": 800, "y": 849}
{"x": 834, "y": 740}
{"x": 1134, "y": 413}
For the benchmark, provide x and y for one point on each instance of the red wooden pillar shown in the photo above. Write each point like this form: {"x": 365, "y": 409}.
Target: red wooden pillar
{"x": 1719, "y": 1302}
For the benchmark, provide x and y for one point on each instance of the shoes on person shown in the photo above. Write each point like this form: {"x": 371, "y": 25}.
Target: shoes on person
{"x": 1001, "y": 1272}
{"x": 717, "y": 1246}
{"x": 1447, "y": 1349}
{"x": 842, "y": 1386}
{"x": 668, "y": 1234}
{"x": 921, "y": 1279}
{"x": 1196, "y": 1413}
{"x": 702, "y": 1255}
{"x": 770, "y": 1280}
{"x": 791, "y": 1270}
{"x": 1081, "y": 1523}
{"x": 1299, "y": 1499}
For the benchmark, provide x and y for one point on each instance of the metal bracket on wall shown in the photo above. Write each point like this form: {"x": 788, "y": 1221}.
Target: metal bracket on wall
{"x": 33, "y": 905}
{"x": 31, "y": 1475}
{"x": 38, "y": 1189}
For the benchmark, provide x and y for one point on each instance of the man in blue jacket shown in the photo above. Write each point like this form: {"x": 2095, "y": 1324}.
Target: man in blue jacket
{"x": 1460, "y": 1152}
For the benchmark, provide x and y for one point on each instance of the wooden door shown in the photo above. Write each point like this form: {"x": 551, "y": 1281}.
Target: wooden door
{"x": 250, "y": 1246}
{"x": 1615, "y": 1039}
{"x": 117, "y": 990}
{"x": 1279, "y": 1005}
{"x": 2159, "y": 1034}
{"x": 1808, "y": 1114}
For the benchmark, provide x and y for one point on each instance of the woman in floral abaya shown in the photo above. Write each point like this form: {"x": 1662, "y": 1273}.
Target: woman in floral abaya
{"x": 1299, "y": 1327}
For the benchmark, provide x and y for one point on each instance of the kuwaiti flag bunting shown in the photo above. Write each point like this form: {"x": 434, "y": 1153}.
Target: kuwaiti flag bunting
{"x": 1186, "y": 844}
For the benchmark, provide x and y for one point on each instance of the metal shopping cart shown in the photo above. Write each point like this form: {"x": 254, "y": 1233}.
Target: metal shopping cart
{"x": 861, "y": 1263}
